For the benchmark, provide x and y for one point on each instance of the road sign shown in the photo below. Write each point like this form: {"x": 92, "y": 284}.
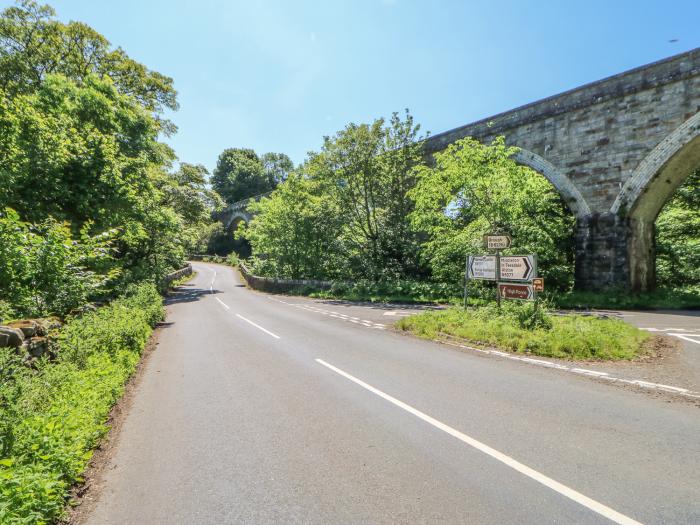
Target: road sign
{"x": 517, "y": 268}
{"x": 482, "y": 267}
{"x": 497, "y": 242}
{"x": 538, "y": 284}
{"x": 523, "y": 292}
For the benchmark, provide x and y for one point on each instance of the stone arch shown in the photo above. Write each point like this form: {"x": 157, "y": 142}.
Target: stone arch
{"x": 235, "y": 219}
{"x": 661, "y": 172}
{"x": 644, "y": 194}
{"x": 570, "y": 193}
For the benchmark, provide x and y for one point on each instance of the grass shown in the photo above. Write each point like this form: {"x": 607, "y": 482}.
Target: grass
{"x": 574, "y": 337}
{"x": 53, "y": 414}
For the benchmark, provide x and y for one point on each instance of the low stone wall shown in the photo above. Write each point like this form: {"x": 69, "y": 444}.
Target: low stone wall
{"x": 273, "y": 285}
{"x": 187, "y": 270}
{"x": 30, "y": 337}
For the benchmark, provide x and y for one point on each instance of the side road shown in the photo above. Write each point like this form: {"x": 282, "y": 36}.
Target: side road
{"x": 252, "y": 410}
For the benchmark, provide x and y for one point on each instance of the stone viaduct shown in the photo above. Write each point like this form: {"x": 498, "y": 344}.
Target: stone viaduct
{"x": 238, "y": 212}
{"x": 616, "y": 150}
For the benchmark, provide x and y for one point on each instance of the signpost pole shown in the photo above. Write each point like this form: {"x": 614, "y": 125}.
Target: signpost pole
{"x": 498, "y": 277}
{"x": 466, "y": 280}
{"x": 534, "y": 275}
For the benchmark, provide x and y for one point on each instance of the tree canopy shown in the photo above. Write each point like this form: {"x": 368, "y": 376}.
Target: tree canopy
{"x": 80, "y": 156}
{"x": 474, "y": 189}
{"x": 240, "y": 173}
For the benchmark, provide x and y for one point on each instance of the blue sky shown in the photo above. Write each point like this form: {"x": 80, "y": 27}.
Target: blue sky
{"x": 278, "y": 75}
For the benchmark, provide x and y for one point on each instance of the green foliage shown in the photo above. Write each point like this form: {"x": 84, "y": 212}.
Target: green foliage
{"x": 43, "y": 270}
{"x": 662, "y": 298}
{"x": 276, "y": 167}
{"x": 79, "y": 129}
{"x": 295, "y": 232}
{"x": 343, "y": 214}
{"x": 474, "y": 189}
{"x": 240, "y": 173}
{"x": 388, "y": 291}
{"x": 34, "y": 45}
{"x": 678, "y": 237}
{"x": 366, "y": 172}
{"x": 232, "y": 259}
{"x": 519, "y": 328}
{"x": 52, "y": 417}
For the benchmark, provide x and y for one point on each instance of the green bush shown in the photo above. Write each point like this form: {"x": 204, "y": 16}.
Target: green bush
{"x": 51, "y": 417}
{"x": 397, "y": 291}
{"x": 45, "y": 270}
{"x": 232, "y": 259}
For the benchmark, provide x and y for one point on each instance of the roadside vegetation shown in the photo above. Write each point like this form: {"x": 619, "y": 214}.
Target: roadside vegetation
{"x": 524, "y": 329}
{"x": 90, "y": 200}
{"x": 53, "y": 413}
{"x": 94, "y": 213}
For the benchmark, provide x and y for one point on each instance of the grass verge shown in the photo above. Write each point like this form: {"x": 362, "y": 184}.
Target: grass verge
{"x": 514, "y": 328}
{"x": 53, "y": 415}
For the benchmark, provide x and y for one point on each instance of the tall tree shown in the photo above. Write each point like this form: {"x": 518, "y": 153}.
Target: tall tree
{"x": 34, "y": 45}
{"x": 367, "y": 171}
{"x": 240, "y": 174}
{"x": 276, "y": 166}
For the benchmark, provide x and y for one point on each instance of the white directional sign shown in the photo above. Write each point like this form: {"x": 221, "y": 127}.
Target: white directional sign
{"x": 482, "y": 267}
{"x": 497, "y": 242}
{"x": 517, "y": 268}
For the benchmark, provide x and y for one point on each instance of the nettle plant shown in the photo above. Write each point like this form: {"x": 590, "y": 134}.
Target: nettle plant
{"x": 45, "y": 271}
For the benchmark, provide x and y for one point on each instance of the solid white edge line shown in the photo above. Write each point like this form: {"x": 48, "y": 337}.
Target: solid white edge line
{"x": 687, "y": 337}
{"x": 570, "y": 493}
{"x": 223, "y": 303}
{"x": 257, "y": 326}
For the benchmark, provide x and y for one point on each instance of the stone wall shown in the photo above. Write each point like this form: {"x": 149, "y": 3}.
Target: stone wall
{"x": 179, "y": 274}
{"x": 273, "y": 285}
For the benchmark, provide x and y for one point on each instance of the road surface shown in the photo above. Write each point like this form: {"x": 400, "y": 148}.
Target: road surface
{"x": 263, "y": 409}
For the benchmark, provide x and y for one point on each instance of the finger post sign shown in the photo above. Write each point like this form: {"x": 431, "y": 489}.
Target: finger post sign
{"x": 522, "y": 292}
{"x": 517, "y": 268}
{"x": 482, "y": 267}
{"x": 497, "y": 242}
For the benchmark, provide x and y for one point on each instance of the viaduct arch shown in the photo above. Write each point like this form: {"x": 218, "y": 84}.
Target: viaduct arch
{"x": 616, "y": 150}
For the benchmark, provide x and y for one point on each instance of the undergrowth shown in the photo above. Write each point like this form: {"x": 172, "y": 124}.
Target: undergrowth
{"x": 53, "y": 415}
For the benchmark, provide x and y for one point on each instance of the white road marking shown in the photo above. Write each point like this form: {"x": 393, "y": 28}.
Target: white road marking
{"x": 397, "y": 312}
{"x": 531, "y": 473}
{"x": 211, "y": 286}
{"x": 688, "y": 337}
{"x": 666, "y": 329}
{"x": 257, "y": 326}
{"x": 223, "y": 303}
{"x": 581, "y": 371}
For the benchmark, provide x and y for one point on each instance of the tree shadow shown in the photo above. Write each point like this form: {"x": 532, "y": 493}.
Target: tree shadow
{"x": 187, "y": 294}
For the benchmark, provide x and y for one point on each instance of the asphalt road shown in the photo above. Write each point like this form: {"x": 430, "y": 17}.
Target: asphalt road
{"x": 260, "y": 409}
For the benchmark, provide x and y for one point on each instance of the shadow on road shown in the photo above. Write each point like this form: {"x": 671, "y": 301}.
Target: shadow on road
{"x": 185, "y": 294}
